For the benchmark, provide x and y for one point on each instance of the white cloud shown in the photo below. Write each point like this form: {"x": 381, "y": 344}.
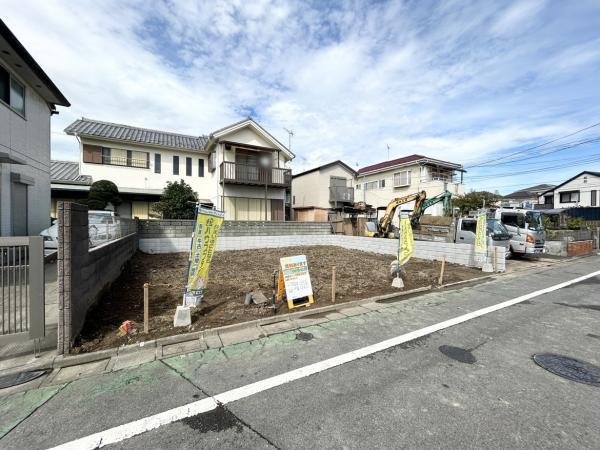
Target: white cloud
{"x": 453, "y": 80}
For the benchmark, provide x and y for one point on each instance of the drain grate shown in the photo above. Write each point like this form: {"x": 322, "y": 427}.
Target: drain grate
{"x": 569, "y": 368}
{"x": 14, "y": 379}
{"x": 304, "y": 336}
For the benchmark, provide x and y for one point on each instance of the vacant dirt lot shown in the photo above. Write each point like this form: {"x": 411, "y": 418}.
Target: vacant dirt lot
{"x": 233, "y": 274}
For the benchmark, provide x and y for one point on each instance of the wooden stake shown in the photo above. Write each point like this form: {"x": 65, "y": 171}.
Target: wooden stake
{"x": 146, "y": 307}
{"x": 441, "y": 280}
{"x": 333, "y": 284}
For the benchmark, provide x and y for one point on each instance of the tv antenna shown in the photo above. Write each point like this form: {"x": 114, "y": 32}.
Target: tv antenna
{"x": 290, "y": 134}
{"x": 388, "y": 147}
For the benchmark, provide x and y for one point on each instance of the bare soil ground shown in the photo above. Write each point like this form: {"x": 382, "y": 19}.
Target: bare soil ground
{"x": 233, "y": 274}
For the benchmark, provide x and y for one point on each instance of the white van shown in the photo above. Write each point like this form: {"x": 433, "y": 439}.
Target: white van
{"x": 103, "y": 226}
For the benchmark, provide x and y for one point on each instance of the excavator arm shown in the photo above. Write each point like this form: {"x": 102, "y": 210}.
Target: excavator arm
{"x": 420, "y": 207}
{"x": 386, "y": 220}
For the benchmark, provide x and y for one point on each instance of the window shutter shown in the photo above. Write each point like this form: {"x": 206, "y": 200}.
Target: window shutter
{"x": 92, "y": 154}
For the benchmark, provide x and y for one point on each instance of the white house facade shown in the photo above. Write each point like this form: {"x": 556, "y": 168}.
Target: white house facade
{"x": 240, "y": 169}
{"x": 28, "y": 99}
{"x": 581, "y": 190}
{"x": 380, "y": 183}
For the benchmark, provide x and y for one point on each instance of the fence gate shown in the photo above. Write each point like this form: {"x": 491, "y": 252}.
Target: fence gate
{"x": 21, "y": 288}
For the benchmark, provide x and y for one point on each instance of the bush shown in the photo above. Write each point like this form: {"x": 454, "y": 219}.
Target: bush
{"x": 178, "y": 201}
{"x": 103, "y": 192}
{"x": 475, "y": 200}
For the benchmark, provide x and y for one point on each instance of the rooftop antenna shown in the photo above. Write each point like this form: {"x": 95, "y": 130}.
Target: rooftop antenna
{"x": 290, "y": 134}
{"x": 388, "y": 147}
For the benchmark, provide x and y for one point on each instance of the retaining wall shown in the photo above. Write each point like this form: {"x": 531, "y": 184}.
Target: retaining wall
{"x": 463, "y": 254}
{"x": 184, "y": 228}
{"x": 83, "y": 273}
{"x": 580, "y": 248}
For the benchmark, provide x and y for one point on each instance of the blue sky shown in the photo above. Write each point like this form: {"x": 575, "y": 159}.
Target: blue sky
{"x": 468, "y": 82}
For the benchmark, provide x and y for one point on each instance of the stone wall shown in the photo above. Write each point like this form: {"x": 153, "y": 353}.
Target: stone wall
{"x": 183, "y": 228}
{"x": 463, "y": 254}
{"x": 83, "y": 273}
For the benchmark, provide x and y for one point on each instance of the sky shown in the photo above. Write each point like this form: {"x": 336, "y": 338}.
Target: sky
{"x": 468, "y": 82}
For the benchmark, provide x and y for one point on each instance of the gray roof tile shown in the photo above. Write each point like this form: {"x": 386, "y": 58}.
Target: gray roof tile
{"x": 107, "y": 130}
{"x": 67, "y": 172}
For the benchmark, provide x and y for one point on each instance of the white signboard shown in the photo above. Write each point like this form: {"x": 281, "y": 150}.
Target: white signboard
{"x": 296, "y": 277}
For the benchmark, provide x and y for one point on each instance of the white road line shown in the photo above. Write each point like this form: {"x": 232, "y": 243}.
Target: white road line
{"x": 128, "y": 430}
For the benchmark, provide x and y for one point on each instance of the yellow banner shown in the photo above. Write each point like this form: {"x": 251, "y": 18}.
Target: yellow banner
{"x": 204, "y": 243}
{"x": 407, "y": 243}
{"x": 480, "y": 234}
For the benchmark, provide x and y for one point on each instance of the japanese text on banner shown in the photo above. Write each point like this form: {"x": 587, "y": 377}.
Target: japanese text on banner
{"x": 406, "y": 244}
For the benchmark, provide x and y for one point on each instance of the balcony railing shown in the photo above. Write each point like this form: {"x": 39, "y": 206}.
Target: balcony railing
{"x": 231, "y": 172}
{"x": 341, "y": 194}
{"x": 125, "y": 162}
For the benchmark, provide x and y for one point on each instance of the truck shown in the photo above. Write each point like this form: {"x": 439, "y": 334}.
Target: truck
{"x": 466, "y": 228}
{"x": 528, "y": 236}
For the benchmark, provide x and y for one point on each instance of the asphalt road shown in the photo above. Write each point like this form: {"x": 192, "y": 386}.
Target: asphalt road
{"x": 472, "y": 385}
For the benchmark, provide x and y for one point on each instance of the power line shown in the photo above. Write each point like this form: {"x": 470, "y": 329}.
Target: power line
{"x": 540, "y": 169}
{"x": 537, "y": 146}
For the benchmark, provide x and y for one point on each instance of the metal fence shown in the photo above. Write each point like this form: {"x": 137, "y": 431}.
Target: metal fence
{"x": 110, "y": 230}
{"x": 569, "y": 235}
{"x": 21, "y": 288}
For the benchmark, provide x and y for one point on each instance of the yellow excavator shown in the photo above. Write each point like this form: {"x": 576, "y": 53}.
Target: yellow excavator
{"x": 383, "y": 227}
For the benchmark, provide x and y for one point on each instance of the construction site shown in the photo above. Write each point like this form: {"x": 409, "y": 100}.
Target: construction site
{"x": 233, "y": 275}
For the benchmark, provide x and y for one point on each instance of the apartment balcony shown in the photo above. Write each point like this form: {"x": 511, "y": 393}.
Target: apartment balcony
{"x": 341, "y": 194}
{"x": 236, "y": 173}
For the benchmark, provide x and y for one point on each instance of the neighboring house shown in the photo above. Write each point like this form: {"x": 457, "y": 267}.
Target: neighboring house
{"x": 525, "y": 198}
{"x": 67, "y": 184}
{"x": 379, "y": 183}
{"x": 240, "y": 169}
{"x": 317, "y": 191}
{"x": 28, "y": 99}
{"x": 581, "y": 190}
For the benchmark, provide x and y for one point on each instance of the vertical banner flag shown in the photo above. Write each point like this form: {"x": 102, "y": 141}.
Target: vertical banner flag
{"x": 481, "y": 237}
{"x": 204, "y": 242}
{"x": 406, "y": 243}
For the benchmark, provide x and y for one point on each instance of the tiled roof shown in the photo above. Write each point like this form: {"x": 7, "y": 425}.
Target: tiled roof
{"x": 341, "y": 163}
{"x": 67, "y": 172}
{"x": 529, "y": 192}
{"x": 115, "y": 131}
{"x": 405, "y": 160}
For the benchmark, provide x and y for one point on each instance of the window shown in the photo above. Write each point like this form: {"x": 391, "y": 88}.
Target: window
{"x": 105, "y": 155}
{"x": 594, "y": 199}
{"x": 12, "y": 92}
{"x": 175, "y": 165}
{"x": 370, "y": 185}
{"x": 469, "y": 225}
{"x": 513, "y": 219}
{"x": 358, "y": 187}
{"x": 548, "y": 199}
{"x": 569, "y": 197}
{"x": 188, "y": 167}
{"x": 381, "y": 184}
{"x": 293, "y": 200}
{"x": 402, "y": 178}
{"x": 200, "y": 167}
{"x": 157, "y": 163}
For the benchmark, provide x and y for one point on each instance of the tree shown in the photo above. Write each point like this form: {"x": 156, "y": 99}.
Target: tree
{"x": 103, "y": 192}
{"x": 177, "y": 201}
{"x": 475, "y": 200}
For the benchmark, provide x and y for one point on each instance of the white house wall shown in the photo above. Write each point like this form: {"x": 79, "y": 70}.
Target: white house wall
{"x": 585, "y": 184}
{"x": 304, "y": 190}
{"x": 27, "y": 139}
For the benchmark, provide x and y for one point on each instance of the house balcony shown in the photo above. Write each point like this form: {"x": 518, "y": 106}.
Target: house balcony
{"x": 235, "y": 173}
{"x": 341, "y": 194}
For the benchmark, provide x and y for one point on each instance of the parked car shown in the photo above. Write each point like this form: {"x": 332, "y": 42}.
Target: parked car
{"x": 466, "y": 228}
{"x": 528, "y": 235}
{"x": 103, "y": 226}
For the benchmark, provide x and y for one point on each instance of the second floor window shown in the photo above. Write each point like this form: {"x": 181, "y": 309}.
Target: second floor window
{"x": 157, "y": 163}
{"x": 12, "y": 92}
{"x": 188, "y": 167}
{"x": 402, "y": 178}
{"x": 569, "y": 197}
{"x": 175, "y": 165}
{"x": 200, "y": 167}
{"x": 369, "y": 185}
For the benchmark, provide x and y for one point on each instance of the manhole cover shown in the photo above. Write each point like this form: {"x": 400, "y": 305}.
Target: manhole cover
{"x": 15, "y": 379}
{"x": 569, "y": 368}
{"x": 458, "y": 354}
{"x": 304, "y": 336}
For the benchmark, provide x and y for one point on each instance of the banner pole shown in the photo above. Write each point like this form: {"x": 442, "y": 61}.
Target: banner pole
{"x": 187, "y": 272}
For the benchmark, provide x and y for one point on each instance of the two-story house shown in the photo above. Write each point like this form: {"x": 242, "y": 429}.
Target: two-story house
{"x": 240, "y": 169}
{"x": 379, "y": 183}
{"x": 581, "y": 190}
{"x": 28, "y": 99}
{"x": 321, "y": 189}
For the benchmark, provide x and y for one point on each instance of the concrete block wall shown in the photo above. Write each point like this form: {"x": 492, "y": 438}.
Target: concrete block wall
{"x": 149, "y": 229}
{"x": 463, "y": 254}
{"x": 83, "y": 273}
{"x": 580, "y": 248}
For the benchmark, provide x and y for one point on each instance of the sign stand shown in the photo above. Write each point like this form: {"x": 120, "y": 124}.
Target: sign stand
{"x": 294, "y": 279}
